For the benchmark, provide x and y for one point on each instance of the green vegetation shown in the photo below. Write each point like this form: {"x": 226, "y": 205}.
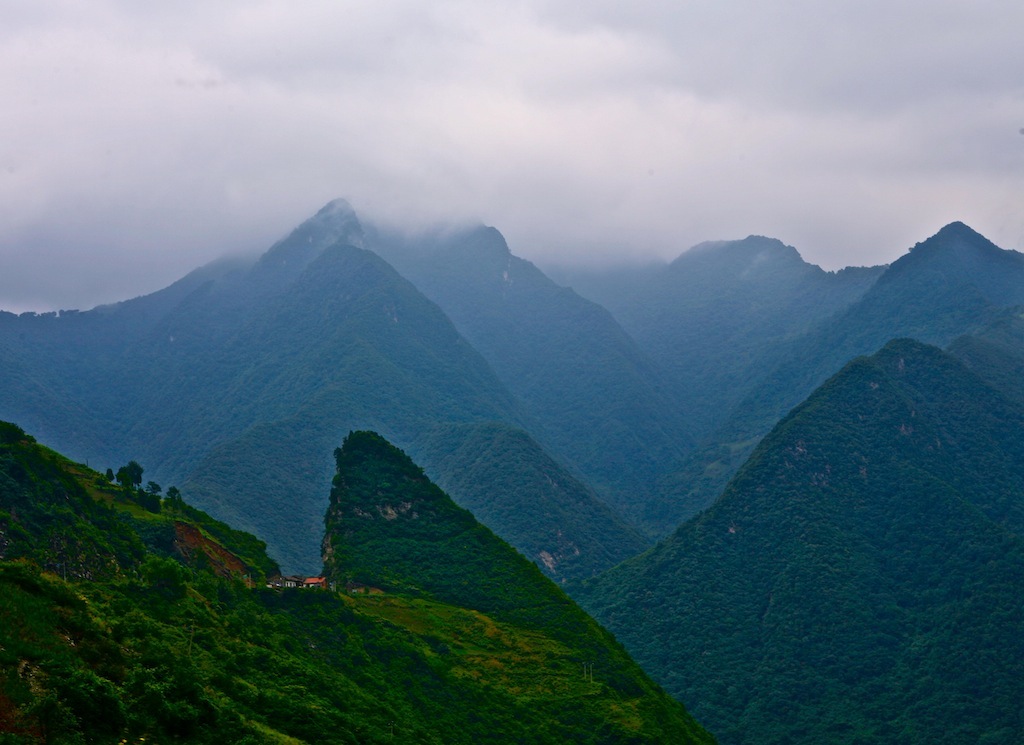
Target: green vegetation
{"x": 717, "y": 316}
{"x": 390, "y": 527}
{"x": 859, "y": 580}
{"x": 595, "y": 399}
{"x": 511, "y": 485}
{"x": 715, "y": 322}
{"x": 163, "y": 637}
{"x": 951, "y": 284}
{"x": 238, "y": 383}
{"x": 71, "y": 521}
{"x": 996, "y": 353}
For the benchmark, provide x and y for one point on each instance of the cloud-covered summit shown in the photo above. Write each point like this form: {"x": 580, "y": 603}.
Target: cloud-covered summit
{"x": 140, "y": 141}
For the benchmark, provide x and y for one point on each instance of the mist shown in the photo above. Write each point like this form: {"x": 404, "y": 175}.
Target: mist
{"x": 141, "y": 142}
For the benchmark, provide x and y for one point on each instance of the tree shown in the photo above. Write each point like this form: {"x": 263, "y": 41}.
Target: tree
{"x": 149, "y": 501}
{"x": 174, "y": 498}
{"x": 110, "y": 474}
{"x": 154, "y": 488}
{"x": 129, "y": 475}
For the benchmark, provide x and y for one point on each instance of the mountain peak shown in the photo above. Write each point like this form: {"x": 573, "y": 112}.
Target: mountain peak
{"x": 389, "y": 526}
{"x": 881, "y": 506}
{"x": 335, "y": 222}
{"x": 479, "y": 243}
{"x": 337, "y": 206}
{"x": 958, "y": 256}
{"x": 746, "y": 257}
{"x": 954, "y": 232}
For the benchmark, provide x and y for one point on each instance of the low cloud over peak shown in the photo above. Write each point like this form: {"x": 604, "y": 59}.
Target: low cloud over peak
{"x": 138, "y": 142}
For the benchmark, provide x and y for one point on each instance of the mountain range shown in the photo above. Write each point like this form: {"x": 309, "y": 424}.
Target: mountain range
{"x": 770, "y": 328}
{"x": 596, "y": 397}
{"x": 797, "y": 511}
{"x": 860, "y": 578}
{"x": 131, "y": 619}
{"x": 235, "y": 382}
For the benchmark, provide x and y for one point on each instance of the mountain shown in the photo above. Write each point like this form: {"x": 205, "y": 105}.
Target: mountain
{"x": 713, "y": 318}
{"x": 950, "y": 284}
{"x": 859, "y": 580}
{"x": 953, "y": 283}
{"x": 237, "y": 381}
{"x": 351, "y": 342}
{"x": 115, "y": 368}
{"x": 391, "y": 529}
{"x": 71, "y": 521}
{"x": 996, "y": 353}
{"x": 238, "y": 389}
{"x": 515, "y": 488}
{"x": 598, "y": 400}
{"x": 131, "y": 620}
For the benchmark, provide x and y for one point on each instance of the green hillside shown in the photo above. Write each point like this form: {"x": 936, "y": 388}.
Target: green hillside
{"x": 389, "y": 529}
{"x": 996, "y": 353}
{"x": 514, "y": 487}
{"x": 859, "y": 580}
{"x": 350, "y": 344}
{"x": 951, "y": 284}
{"x": 239, "y": 380}
{"x": 70, "y": 520}
{"x": 119, "y": 625}
{"x": 389, "y": 526}
{"x": 597, "y": 399}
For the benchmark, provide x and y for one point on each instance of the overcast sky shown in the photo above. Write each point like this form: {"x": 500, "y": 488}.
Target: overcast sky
{"x": 139, "y": 140}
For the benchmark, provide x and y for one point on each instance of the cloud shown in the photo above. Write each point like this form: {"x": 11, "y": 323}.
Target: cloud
{"x": 139, "y": 141}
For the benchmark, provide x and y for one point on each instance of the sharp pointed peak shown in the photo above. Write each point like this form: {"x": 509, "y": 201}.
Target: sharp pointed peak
{"x": 337, "y": 206}
{"x": 335, "y": 222}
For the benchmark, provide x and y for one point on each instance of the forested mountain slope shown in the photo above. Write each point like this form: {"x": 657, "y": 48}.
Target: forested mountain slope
{"x": 996, "y": 353}
{"x": 859, "y": 580}
{"x": 951, "y": 284}
{"x": 237, "y": 382}
{"x": 352, "y": 342}
{"x": 238, "y": 390}
{"x": 505, "y": 479}
{"x": 597, "y": 397}
{"x": 716, "y": 316}
{"x": 125, "y": 620}
{"x": 390, "y": 528}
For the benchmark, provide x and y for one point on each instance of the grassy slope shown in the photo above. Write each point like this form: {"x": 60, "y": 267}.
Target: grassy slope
{"x": 137, "y": 644}
{"x": 389, "y": 527}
